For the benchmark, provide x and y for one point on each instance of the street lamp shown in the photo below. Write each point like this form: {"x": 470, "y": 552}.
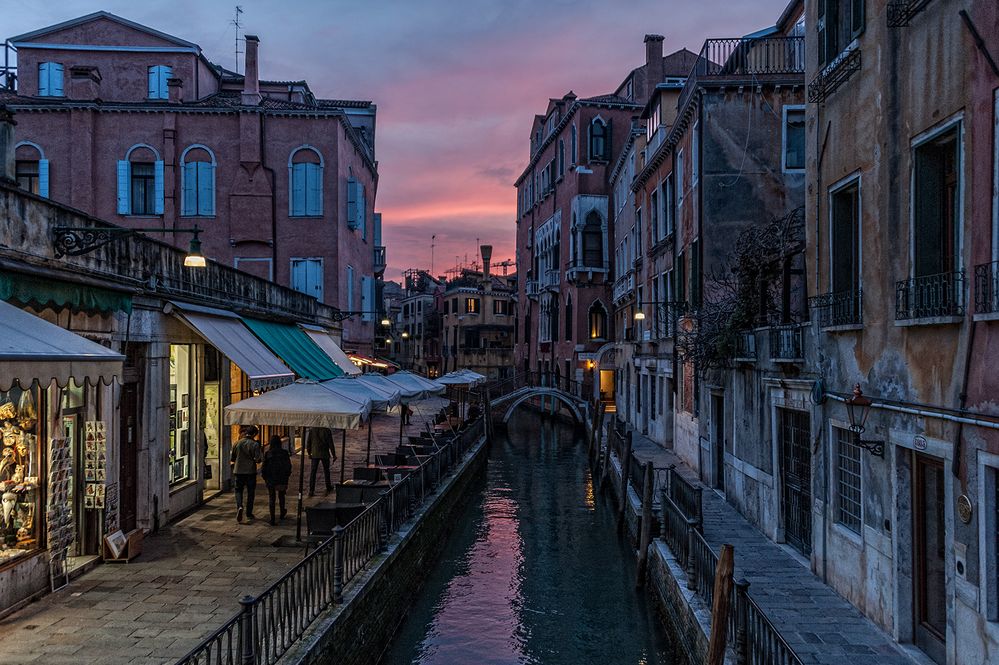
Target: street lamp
{"x": 194, "y": 258}
{"x": 386, "y": 322}
{"x": 79, "y": 240}
{"x": 858, "y": 408}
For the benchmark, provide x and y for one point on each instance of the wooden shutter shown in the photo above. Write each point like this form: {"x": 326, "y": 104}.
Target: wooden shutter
{"x": 350, "y": 289}
{"x": 153, "y": 78}
{"x": 365, "y": 298}
{"x": 43, "y": 177}
{"x": 608, "y": 137}
{"x": 159, "y": 188}
{"x": 206, "y": 188}
{"x": 314, "y": 189}
{"x": 351, "y": 203}
{"x": 362, "y": 212}
{"x": 164, "y": 75}
{"x": 188, "y": 189}
{"x": 124, "y": 200}
{"x": 856, "y": 17}
{"x": 55, "y": 79}
{"x": 820, "y": 25}
{"x": 43, "y": 79}
{"x": 296, "y": 204}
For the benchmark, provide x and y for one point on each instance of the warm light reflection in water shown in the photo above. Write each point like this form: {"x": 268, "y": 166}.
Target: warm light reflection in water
{"x": 589, "y": 492}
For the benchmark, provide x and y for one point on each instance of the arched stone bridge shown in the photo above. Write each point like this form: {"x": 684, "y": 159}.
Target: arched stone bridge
{"x": 508, "y": 403}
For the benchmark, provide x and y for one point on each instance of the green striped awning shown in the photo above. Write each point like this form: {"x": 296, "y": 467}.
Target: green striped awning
{"x": 295, "y": 348}
{"x": 46, "y": 292}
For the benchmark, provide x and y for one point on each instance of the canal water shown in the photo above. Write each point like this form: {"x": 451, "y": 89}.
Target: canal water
{"x": 534, "y": 571}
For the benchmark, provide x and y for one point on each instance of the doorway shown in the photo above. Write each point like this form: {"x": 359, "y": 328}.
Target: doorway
{"x": 795, "y": 461}
{"x": 128, "y": 459}
{"x": 929, "y": 579}
{"x": 718, "y": 440}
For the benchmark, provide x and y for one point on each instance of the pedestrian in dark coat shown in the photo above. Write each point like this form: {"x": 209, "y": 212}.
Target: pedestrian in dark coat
{"x": 244, "y": 458}
{"x": 276, "y": 471}
{"x": 319, "y": 444}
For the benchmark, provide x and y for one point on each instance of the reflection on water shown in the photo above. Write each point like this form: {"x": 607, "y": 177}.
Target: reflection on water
{"x": 534, "y": 571}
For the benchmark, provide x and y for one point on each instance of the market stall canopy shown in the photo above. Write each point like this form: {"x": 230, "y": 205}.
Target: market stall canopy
{"x": 226, "y": 332}
{"x": 325, "y": 341}
{"x": 461, "y": 377}
{"x": 301, "y": 404}
{"x": 295, "y": 348}
{"x": 365, "y": 361}
{"x": 382, "y": 397}
{"x": 32, "y": 348}
{"x": 414, "y": 386}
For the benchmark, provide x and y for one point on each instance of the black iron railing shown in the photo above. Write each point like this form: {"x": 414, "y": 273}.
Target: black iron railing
{"x": 833, "y": 76}
{"x": 987, "y": 288}
{"x": 930, "y": 296}
{"x": 843, "y": 308}
{"x": 667, "y": 316}
{"x": 786, "y": 342}
{"x": 266, "y": 626}
{"x": 685, "y": 496}
{"x": 901, "y": 12}
{"x": 745, "y": 346}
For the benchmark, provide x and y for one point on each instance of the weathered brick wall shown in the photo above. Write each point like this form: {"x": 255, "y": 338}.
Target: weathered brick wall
{"x": 358, "y": 631}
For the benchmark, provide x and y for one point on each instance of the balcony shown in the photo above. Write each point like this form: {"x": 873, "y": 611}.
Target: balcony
{"x": 901, "y": 12}
{"x": 987, "y": 288}
{"x": 579, "y": 268}
{"x": 379, "y": 260}
{"x": 833, "y": 76}
{"x": 667, "y": 315}
{"x": 551, "y": 279}
{"x": 745, "y": 347}
{"x": 930, "y": 296}
{"x": 624, "y": 287}
{"x": 533, "y": 288}
{"x": 747, "y": 59}
{"x": 786, "y": 343}
{"x": 844, "y": 308}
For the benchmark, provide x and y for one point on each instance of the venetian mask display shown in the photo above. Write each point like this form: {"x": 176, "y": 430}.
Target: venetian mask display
{"x": 18, "y": 472}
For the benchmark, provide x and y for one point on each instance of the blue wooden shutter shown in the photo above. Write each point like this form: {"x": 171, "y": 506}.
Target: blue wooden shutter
{"x": 153, "y": 80}
{"x": 206, "y": 189}
{"x": 350, "y": 289}
{"x": 188, "y": 189}
{"x": 124, "y": 200}
{"x": 314, "y": 189}
{"x": 365, "y": 298}
{"x": 362, "y": 212}
{"x": 164, "y": 74}
{"x": 159, "y": 188}
{"x": 43, "y": 177}
{"x": 55, "y": 79}
{"x": 351, "y": 202}
{"x": 43, "y": 79}
{"x": 377, "y": 230}
{"x": 298, "y": 178}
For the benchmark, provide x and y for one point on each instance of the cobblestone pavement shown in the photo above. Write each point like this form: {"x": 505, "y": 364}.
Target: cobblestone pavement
{"x": 184, "y": 585}
{"x": 818, "y": 623}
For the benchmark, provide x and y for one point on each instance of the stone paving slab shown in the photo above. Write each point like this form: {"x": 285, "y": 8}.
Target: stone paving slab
{"x": 818, "y": 623}
{"x": 185, "y": 584}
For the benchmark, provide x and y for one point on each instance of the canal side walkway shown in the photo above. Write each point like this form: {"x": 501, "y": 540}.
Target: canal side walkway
{"x": 818, "y": 623}
{"x": 186, "y": 582}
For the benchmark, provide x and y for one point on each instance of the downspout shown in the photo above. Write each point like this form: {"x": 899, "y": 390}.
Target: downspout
{"x": 270, "y": 171}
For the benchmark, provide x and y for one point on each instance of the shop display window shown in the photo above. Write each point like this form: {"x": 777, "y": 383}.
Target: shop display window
{"x": 20, "y": 462}
{"x": 180, "y": 411}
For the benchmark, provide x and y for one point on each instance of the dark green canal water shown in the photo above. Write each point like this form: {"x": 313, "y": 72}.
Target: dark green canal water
{"x": 534, "y": 571}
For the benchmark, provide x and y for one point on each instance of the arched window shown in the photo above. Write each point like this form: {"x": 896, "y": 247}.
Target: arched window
{"x": 568, "y": 318}
{"x": 197, "y": 181}
{"x": 593, "y": 241}
{"x": 598, "y": 141}
{"x": 31, "y": 169}
{"x": 140, "y": 182}
{"x": 598, "y": 321}
{"x": 305, "y": 175}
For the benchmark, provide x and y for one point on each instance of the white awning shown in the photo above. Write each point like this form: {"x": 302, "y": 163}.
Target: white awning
{"x": 32, "y": 349}
{"x": 226, "y": 332}
{"x": 302, "y": 404}
{"x": 327, "y": 343}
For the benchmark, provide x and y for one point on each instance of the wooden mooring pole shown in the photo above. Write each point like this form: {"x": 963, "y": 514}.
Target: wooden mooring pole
{"x": 625, "y": 475}
{"x": 645, "y": 537}
{"x": 721, "y": 607}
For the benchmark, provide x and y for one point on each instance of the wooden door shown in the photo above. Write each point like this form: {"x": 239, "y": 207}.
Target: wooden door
{"x": 128, "y": 457}
{"x": 929, "y": 580}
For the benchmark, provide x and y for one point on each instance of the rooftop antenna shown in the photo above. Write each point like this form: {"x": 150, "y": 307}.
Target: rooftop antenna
{"x": 235, "y": 22}
{"x": 433, "y": 241}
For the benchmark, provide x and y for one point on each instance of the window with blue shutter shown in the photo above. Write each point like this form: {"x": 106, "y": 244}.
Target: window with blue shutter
{"x": 197, "y": 182}
{"x": 124, "y": 193}
{"x": 50, "y": 76}
{"x": 351, "y": 203}
{"x": 313, "y": 190}
{"x": 158, "y": 75}
{"x": 43, "y": 177}
{"x": 158, "y": 187}
{"x": 350, "y": 288}
{"x": 305, "y": 175}
{"x": 367, "y": 298}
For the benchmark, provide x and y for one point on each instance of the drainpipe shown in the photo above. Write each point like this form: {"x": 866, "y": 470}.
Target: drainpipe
{"x": 270, "y": 172}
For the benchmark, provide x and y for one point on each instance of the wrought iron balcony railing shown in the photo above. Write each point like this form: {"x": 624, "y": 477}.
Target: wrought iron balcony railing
{"x": 843, "y": 308}
{"x": 551, "y": 279}
{"x": 901, "y": 12}
{"x": 987, "y": 288}
{"x": 533, "y": 288}
{"x": 786, "y": 343}
{"x": 624, "y": 286}
{"x": 930, "y": 296}
{"x": 667, "y": 315}
{"x": 834, "y": 75}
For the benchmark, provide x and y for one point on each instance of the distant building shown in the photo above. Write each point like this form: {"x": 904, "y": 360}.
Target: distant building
{"x": 419, "y": 324}
{"x": 138, "y": 127}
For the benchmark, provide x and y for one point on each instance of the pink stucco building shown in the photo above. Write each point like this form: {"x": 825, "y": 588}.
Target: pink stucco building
{"x": 138, "y": 127}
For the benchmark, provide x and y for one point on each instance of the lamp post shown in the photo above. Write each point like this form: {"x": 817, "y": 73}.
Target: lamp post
{"x": 858, "y": 408}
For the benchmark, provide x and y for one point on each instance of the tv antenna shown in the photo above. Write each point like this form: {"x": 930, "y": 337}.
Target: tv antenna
{"x": 238, "y": 25}
{"x": 433, "y": 241}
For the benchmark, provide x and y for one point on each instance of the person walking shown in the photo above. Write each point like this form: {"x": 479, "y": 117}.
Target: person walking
{"x": 276, "y": 470}
{"x": 244, "y": 458}
{"x": 320, "y": 446}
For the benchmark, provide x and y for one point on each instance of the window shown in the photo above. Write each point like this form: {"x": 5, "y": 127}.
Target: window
{"x": 143, "y": 188}
{"x": 844, "y": 238}
{"x": 305, "y": 178}
{"x": 561, "y": 158}
{"x": 307, "y": 277}
{"x": 140, "y": 182}
{"x": 695, "y": 156}
{"x": 936, "y": 204}
{"x": 593, "y": 241}
{"x": 26, "y": 172}
{"x": 654, "y": 216}
{"x": 669, "y": 212}
{"x": 848, "y": 489}
{"x": 568, "y": 318}
{"x": 598, "y": 321}
{"x": 638, "y": 233}
{"x": 50, "y": 79}
{"x": 31, "y": 169}
{"x": 572, "y": 144}
{"x": 501, "y": 307}
{"x": 350, "y": 288}
{"x": 599, "y": 141}
{"x": 679, "y": 179}
{"x": 652, "y": 397}
{"x": 197, "y": 182}
{"x": 794, "y": 138}
{"x": 839, "y": 23}
{"x": 158, "y": 76}
{"x": 471, "y": 305}
{"x": 181, "y": 401}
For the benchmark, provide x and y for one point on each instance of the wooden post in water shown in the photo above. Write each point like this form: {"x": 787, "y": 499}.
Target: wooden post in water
{"x": 625, "y": 475}
{"x": 646, "y": 532}
{"x": 721, "y": 606}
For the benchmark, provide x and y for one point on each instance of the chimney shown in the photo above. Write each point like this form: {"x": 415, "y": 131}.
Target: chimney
{"x": 7, "y": 173}
{"x": 653, "y": 64}
{"x": 251, "y": 75}
{"x": 487, "y": 253}
{"x": 175, "y": 86}
{"x": 84, "y": 82}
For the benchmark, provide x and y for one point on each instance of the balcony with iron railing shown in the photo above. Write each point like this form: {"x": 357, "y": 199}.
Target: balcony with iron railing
{"x": 667, "y": 317}
{"x": 623, "y": 287}
{"x": 745, "y": 346}
{"x": 786, "y": 343}
{"x": 551, "y": 279}
{"x": 749, "y": 60}
{"x": 380, "y": 259}
{"x": 533, "y": 288}
{"x": 839, "y": 309}
{"x": 987, "y": 288}
{"x": 931, "y": 297}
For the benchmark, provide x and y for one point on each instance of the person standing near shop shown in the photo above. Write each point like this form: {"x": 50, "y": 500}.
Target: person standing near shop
{"x": 319, "y": 443}
{"x": 244, "y": 458}
{"x": 276, "y": 471}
